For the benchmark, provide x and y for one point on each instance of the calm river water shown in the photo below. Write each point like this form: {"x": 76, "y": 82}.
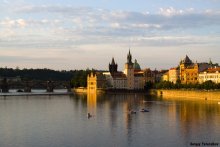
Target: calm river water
{"x": 61, "y": 121}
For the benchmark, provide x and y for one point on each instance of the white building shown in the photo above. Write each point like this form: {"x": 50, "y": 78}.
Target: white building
{"x": 212, "y": 74}
{"x": 132, "y": 77}
{"x": 174, "y": 74}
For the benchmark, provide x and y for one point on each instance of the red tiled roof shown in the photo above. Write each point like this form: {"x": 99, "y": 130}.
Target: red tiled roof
{"x": 212, "y": 70}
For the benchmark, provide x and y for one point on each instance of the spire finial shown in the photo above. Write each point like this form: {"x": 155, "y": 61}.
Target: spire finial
{"x": 129, "y": 57}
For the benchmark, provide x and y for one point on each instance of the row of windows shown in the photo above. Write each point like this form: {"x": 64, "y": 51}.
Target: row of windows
{"x": 212, "y": 76}
{"x": 191, "y": 74}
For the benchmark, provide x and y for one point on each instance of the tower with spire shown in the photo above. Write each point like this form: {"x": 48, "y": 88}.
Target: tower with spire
{"x": 113, "y": 67}
{"x": 129, "y": 71}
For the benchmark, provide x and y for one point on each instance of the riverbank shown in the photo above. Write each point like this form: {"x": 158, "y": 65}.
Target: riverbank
{"x": 34, "y": 94}
{"x": 84, "y": 90}
{"x": 189, "y": 94}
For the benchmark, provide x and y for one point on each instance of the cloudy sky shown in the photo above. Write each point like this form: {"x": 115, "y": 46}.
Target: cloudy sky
{"x": 80, "y": 34}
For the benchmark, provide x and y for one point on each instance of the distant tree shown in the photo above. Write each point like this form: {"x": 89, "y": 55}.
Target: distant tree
{"x": 148, "y": 85}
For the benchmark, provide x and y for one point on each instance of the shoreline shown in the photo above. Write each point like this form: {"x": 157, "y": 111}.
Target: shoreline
{"x": 188, "y": 94}
{"x": 35, "y": 94}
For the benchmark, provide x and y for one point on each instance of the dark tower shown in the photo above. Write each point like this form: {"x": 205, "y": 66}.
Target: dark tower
{"x": 113, "y": 67}
{"x": 129, "y": 58}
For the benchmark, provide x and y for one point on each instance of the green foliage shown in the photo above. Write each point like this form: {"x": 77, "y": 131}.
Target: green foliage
{"x": 169, "y": 85}
{"x": 37, "y": 74}
{"x": 209, "y": 85}
{"x": 80, "y": 78}
{"x": 148, "y": 85}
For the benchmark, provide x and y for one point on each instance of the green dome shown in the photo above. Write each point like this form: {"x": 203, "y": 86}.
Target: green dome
{"x": 136, "y": 65}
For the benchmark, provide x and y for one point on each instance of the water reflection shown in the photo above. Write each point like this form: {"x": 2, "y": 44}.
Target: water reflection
{"x": 62, "y": 121}
{"x": 91, "y": 102}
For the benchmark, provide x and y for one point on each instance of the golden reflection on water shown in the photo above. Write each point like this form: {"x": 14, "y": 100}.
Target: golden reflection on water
{"x": 184, "y": 117}
{"x": 194, "y": 115}
{"x": 91, "y": 102}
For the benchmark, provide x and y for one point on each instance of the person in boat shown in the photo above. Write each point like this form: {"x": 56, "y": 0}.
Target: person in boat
{"x": 144, "y": 110}
{"x": 89, "y": 115}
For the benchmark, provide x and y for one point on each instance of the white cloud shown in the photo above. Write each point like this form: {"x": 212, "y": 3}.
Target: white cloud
{"x": 13, "y": 23}
{"x": 170, "y": 11}
{"x": 21, "y": 23}
{"x": 84, "y": 30}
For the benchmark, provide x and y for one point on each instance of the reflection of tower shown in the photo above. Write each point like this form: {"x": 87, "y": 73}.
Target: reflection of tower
{"x": 129, "y": 71}
{"x": 91, "y": 102}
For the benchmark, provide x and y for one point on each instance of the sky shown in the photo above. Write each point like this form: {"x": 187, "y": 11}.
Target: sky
{"x": 81, "y": 34}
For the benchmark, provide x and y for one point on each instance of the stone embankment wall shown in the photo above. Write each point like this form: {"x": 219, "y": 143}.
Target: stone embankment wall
{"x": 80, "y": 90}
{"x": 189, "y": 94}
{"x": 84, "y": 90}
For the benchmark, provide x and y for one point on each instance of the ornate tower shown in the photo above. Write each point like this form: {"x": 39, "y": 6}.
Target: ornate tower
{"x": 129, "y": 71}
{"x": 113, "y": 67}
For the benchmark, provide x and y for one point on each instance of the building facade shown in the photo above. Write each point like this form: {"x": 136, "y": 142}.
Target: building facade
{"x": 211, "y": 74}
{"x": 132, "y": 78}
{"x": 95, "y": 81}
{"x": 189, "y": 71}
{"x": 174, "y": 75}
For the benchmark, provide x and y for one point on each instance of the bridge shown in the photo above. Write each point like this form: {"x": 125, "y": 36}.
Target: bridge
{"x": 49, "y": 85}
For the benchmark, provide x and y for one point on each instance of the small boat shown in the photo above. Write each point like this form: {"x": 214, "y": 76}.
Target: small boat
{"x": 132, "y": 112}
{"x": 89, "y": 115}
{"x": 144, "y": 110}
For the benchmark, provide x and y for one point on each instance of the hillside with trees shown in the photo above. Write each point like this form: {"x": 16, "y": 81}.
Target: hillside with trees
{"x": 78, "y": 78}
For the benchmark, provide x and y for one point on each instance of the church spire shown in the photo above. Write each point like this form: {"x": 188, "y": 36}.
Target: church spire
{"x": 113, "y": 61}
{"x": 129, "y": 57}
{"x": 113, "y": 67}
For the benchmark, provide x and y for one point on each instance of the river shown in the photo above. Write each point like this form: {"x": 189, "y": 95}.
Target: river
{"x": 61, "y": 121}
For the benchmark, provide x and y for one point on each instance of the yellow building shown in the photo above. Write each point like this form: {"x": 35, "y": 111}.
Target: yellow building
{"x": 165, "y": 76}
{"x": 188, "y": 71}
{"x": 95, "y": 82}
{"x": 174, "y": 75}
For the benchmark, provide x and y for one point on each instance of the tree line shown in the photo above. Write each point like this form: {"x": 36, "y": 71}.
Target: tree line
{"x": 77, "y": 78}
{"x": 208, "y": 85}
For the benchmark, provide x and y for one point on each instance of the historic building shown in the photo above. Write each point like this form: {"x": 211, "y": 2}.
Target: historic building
{"x": 189, "y": 71}
{"x": 132, "y": 78}
{"x": 174, "y": 74}
{"x": 212, "y": 74}
{"x": 149, "y": 75}
{"x": 95, "y": 82}
{"x": 165, "y": 76}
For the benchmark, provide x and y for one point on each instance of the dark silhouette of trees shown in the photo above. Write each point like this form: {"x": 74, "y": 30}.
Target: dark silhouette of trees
{"x": 77, "y": 78}
{"x": 208, "y": 85}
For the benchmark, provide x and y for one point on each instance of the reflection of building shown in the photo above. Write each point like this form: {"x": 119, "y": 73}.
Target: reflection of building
{"x": 212, "y": 74}
{"x": 91, "y": 102}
